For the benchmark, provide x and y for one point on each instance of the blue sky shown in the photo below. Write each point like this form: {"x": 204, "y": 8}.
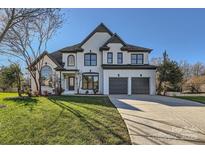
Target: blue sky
{"x": 180, "y": 31}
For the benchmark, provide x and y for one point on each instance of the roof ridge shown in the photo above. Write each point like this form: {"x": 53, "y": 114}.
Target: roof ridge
{"x": 100, "y": 28}
{"x": 114, "y": 35}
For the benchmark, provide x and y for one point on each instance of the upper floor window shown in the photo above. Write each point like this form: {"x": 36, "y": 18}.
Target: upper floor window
{"x": 109, "y": 58}
{"x": 119, "y": 58}
{"x": 71, "y": 60}
{"x": 46, "y": 76}
{"x": 90, "y": 59}
{"x": 137, "y": 58}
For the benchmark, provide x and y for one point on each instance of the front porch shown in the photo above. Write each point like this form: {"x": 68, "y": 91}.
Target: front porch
{"x": 70, "y": 82}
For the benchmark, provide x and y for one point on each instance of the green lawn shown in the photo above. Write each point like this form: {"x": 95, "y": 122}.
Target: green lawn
{"x": 60, "y": 120}
{"x": 200, "y": 99}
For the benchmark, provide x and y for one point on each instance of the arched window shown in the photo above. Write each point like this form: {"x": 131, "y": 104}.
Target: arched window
{"x": 71, "y": 60}
{"x": 46, "y": 76}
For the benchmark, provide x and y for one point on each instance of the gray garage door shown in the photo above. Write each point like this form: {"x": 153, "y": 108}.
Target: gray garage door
{"x": 118, "y": 85}
{"x": 140, "y": 85}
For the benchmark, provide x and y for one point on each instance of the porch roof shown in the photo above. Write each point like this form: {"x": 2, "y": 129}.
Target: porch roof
{"x": 66, "y": 70}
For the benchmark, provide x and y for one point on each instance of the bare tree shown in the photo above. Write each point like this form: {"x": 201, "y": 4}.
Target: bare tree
{"x": 15, "y": 17}
{"x": 186, "y": 69}
{"x": 29, "y": 41}
{"x": 198, "y": 69}
{"x": 194, "y": 84}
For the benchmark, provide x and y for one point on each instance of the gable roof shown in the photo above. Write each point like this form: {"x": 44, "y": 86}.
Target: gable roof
{"x": 115, "y": 38}
{"x": 77, "y": 47}
{"x": 126, "y": 47}
{"x": 73, "y": 48}
{"x": 100, "y": 28}
{"x": 56, "y": 57}
{"x": 134, "y": 48}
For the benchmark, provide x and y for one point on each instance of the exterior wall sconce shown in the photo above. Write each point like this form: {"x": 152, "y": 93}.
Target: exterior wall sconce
{"x": 140, "y": 75}
{"x": 118, "y": 75}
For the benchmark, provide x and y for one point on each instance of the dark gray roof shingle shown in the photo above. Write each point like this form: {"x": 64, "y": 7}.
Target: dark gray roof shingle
{"x": 126, "y": 47}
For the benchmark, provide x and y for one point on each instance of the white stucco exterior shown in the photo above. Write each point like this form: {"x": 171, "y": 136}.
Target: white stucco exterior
{"x": 116, "y": 48}
{"x": 46, "y": 61}
{"x": 93, "y": 45}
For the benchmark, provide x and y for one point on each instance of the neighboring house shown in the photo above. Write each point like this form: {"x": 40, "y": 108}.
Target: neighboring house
{"x": 102, "y": 61}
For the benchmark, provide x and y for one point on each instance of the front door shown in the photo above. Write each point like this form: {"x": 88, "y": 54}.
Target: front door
{"x": 71, "y": 83}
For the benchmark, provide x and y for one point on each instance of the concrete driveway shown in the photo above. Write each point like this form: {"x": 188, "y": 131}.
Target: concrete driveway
{"x": 161, "y": 120}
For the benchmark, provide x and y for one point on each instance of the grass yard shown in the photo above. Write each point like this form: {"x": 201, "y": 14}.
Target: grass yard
{"x": 60, "y": 120}
{"x": 200, "y": 99}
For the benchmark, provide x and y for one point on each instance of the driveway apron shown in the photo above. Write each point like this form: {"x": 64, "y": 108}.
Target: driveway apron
{"x": 161, "y": 120}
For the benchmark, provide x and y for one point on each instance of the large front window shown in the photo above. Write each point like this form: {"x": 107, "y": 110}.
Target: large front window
{"x": 90, "y": 59}
{"x": 90, "y": 82}
{"x": 46, "y": 76}
{"x": 137, "y": 59}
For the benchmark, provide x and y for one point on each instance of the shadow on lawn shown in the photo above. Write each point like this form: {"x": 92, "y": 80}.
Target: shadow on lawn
{"x": 25, "y": 101}
{"x": 98, "y": 100}
{"x": 95, "y": 126}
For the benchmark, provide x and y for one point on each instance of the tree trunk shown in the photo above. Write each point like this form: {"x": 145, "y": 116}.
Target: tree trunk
{"x": 159, "y": 88}
{"x": 39, "y": 83}
{"x": 35, "y": 79}
{"x": 19, "y": 85}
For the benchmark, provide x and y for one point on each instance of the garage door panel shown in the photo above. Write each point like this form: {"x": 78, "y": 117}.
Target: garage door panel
{"x": 118, "y": 85}
{"x": 140, "y": 86}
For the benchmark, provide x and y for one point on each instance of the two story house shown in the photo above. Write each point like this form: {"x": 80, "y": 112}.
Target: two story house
{"x": 101, "y": 63}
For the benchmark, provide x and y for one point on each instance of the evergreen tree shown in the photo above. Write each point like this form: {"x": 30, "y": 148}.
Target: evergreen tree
{"x": 170, "y": 75}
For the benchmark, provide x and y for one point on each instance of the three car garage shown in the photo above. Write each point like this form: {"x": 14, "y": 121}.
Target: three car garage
{"x": 119, "y": 85}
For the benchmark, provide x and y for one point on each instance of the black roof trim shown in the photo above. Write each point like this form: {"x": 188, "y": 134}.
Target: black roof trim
{"x": 100, "y": 28}
{"x": 88, "y": 73}
{"x": 134, "y": 48}
{"x": 126, "y": 47}
{"x": 77, "y": 47}
{"x": 128, "y": 66}
{"x": 42, "y": 55}
{"x": 114, "y": 39}
{"x": 72, "y": 49}
{"x": 68, "y": 70}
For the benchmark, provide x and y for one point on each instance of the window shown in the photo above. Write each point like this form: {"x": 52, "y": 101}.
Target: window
{"x": 71, "y": 60}
{"x": 46, "y": 76}
{"x": 90, "y": 82}
{"x": 90, "y": 59}
{"x": 137, "y": 59}
{"x": 109, "y": 58}
{"x": 119, "y": 58}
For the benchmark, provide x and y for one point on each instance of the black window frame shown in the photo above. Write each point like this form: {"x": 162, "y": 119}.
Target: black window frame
{"x": 68, "y": 60}
{"x": 136, "y": 59}
{"x": 87, "y": 87}
{"x": 90, "y": 59}
{"x": 121, "y": 59}
{"x": 111, "y": 58}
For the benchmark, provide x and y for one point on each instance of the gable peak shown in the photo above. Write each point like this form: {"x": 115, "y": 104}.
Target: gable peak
{"x": 102, "y": 28}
